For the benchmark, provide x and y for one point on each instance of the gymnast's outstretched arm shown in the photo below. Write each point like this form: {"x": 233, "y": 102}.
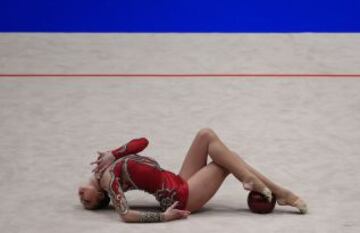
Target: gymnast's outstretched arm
{"x": 149, "y": 216}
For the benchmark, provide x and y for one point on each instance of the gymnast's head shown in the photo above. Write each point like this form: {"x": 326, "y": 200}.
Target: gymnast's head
{"x": 92, "y": 197}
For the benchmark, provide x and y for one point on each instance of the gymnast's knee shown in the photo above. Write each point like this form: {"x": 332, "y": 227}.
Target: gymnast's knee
{"x": 206, "y": 133}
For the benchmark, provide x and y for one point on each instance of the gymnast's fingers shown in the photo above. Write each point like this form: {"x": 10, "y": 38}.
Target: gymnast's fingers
{"x": 102, "y": 169}
{"x": 94, "y": 162}
{"x": 173, "y": 205}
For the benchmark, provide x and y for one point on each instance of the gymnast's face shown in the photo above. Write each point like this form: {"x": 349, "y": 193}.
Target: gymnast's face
{"x": 89, "y": 196}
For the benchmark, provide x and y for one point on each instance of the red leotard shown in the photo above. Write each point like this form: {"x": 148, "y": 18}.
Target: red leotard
{"x": 132, "y": 171}
{"x": 143, "y": 173}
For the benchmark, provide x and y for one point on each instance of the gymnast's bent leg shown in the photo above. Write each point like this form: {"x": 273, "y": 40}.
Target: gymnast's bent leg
{"x": 207, "y": 143}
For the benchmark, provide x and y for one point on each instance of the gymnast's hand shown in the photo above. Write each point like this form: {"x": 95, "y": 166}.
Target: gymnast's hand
{"x": 172, "y": 214}
{"x": 103, "y": 161}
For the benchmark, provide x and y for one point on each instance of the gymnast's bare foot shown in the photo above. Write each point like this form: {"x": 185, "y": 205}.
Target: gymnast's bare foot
{"x": 252, "y": 184}
{"x": 290, "y": 199}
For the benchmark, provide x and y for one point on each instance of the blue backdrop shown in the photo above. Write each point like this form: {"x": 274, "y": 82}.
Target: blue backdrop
{"x": 180, "y": 16}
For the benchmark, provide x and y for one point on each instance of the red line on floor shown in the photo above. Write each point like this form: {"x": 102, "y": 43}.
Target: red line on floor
{"x": 186, "y": 75}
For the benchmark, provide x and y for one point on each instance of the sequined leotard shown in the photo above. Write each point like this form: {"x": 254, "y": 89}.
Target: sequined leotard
{"x": 134, "y": 171}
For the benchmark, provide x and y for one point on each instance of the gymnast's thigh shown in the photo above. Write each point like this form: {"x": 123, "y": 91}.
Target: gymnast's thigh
{"x": 204, "y": 184}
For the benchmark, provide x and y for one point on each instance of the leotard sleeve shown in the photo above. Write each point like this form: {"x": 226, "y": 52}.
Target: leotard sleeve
{"x": 116, "y": 194}
{"x": 132, "y": 147}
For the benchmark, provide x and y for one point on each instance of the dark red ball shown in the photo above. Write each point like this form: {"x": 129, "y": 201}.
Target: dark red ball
{"x": 259, "y": 204}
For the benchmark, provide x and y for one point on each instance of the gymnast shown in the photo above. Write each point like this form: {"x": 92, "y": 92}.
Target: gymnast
{"x": 123, "y": 169}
